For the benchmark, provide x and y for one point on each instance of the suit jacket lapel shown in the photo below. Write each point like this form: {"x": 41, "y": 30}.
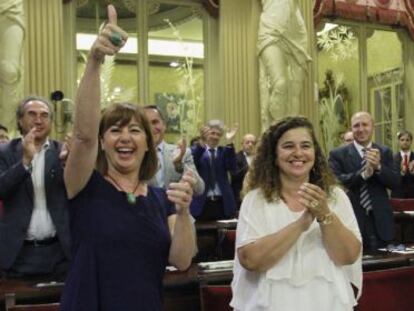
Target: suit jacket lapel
{"x": 245, "y": 164}
{"x": 18, "y": 156}
{"x": 354, "y": 156}
{"x": 50, "y": 158}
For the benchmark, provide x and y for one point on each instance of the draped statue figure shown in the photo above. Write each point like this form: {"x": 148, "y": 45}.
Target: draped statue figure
{"x": 11, "y": 43}
{"x": 283, "y": 57}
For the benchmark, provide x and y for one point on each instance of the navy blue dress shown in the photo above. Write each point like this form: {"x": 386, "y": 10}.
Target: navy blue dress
{"x": 119, "y": 250}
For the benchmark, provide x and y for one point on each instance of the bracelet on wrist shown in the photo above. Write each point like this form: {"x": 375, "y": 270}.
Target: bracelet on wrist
{"x": 325, "y": 219}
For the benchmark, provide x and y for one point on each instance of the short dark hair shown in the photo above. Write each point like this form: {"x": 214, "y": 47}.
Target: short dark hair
{"x": 265, "y": 175}
{"x": 155, "y": 107}
{"x": 2, "y": 127}
{"x": 24, "y": 102}
{"x": 404, "y": 132}
{"x": 122, "y": 114}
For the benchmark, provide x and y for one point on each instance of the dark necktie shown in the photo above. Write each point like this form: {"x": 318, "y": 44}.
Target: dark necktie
{"x": 212, "y": 171}
{"x": 365, "y": 198}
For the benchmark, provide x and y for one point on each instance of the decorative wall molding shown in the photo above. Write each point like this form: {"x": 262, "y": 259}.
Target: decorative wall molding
{"x": 387, "y": 12}
{"x": 131, "y": 6}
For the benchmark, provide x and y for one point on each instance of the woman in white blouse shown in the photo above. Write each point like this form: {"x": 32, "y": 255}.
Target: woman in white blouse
{"x": 298, "y": 243}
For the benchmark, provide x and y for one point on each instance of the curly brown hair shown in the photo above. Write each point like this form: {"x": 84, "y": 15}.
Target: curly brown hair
{"x": 264, "y": 173}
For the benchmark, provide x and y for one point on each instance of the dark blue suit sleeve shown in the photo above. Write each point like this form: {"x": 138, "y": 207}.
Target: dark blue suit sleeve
{"x": 11, "y": 176}
{"x": 230, "y": 158}
{"x": 388, "y": 175}
{"x": 197, "y": 153}
{"x": 336, "y": 161}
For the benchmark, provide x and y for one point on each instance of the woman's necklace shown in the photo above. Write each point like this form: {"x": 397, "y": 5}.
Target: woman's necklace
{"x": 131, "y": 198}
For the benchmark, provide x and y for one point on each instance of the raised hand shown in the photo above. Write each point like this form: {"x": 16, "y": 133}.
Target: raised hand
{"x": 204, "y": 133}
{"x": 180, "y": 152}
{"x": 29, "y": 147}
{"x": 110, "y": 39}
{"x": 232, "y": 133}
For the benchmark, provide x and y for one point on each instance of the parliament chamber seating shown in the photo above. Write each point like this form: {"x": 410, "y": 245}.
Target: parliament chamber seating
{"x": 402, "y": 205}
{"x": 388, "y": 290}
{"x": 226, "y": 243}
{"x": 404, "y": 219}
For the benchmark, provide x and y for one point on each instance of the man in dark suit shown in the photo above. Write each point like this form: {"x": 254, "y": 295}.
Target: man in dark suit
{"x": 243, "y": 160}
{"x": 404, "y": 159}
{"x": 366, "y": 169}
{"x": 34, "y": 230}
{"x": 213, "y": 163}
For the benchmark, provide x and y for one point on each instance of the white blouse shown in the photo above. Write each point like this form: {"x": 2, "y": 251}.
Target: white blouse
{"x": 305, "y": 278}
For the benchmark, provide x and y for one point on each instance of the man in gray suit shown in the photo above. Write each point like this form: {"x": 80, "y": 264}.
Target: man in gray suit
{"x": 173, "y": 159}
{"x": 34, "y": 230}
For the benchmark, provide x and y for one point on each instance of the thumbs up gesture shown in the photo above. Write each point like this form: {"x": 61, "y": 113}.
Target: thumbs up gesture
{"x": 110, "y": 39}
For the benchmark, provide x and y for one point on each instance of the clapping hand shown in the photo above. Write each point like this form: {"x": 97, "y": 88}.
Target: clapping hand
{"x": 411, "y": 167}
{"x": 110, "y": 39}
{"x": 373, "y": 157}
{"x": 314, "y": 199}
{"x": 29, "y": 147}
{"x": 180, "y": 152}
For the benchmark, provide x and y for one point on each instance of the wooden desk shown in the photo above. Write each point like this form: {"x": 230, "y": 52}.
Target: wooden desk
{"x": 181, "y": 291}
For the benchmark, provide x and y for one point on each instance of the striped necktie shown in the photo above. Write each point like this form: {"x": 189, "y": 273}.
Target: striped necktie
{"x": 365, "y": 199}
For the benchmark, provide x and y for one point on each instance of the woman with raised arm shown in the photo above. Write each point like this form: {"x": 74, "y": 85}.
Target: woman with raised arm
{"x": 298, "y": 243}
{"x": 124, "y": 232}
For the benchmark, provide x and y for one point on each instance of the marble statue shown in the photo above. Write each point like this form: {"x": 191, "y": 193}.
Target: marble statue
{"x": 11, "y": 53}
{"x": 283, "y": 57}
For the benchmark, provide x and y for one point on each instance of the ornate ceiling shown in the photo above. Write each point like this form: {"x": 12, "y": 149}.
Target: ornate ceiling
{"x": 387, "y": 12}
{"x": 91, "y": 12}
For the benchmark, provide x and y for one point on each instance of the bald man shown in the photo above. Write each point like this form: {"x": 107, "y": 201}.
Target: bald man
{"x": 243, "y": 160}
{"x": 367, "y": 170}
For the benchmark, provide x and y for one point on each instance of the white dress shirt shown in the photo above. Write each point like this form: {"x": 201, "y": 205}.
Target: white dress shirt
{"x": 216, "y": 191}
{"x": 159, "y": 176}
{"x": 41, "y": 226}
